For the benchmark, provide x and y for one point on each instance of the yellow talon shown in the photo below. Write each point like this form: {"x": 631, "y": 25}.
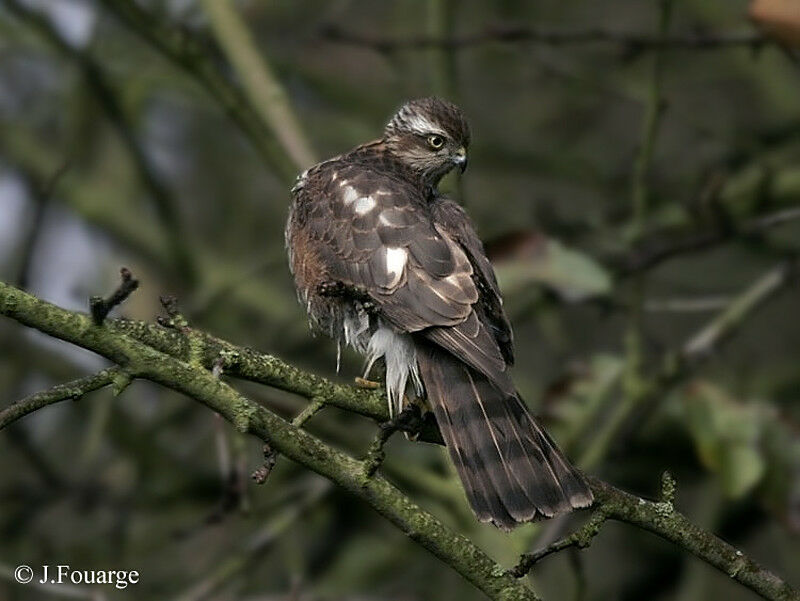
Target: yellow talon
{"x": 368, "y": 384}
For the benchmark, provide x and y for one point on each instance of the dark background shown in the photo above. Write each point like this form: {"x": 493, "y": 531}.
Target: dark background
{"x": 154, "y": 482}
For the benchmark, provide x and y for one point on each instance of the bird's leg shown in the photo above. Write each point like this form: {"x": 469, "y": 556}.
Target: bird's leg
{"x": 366, "y": 383}
{"x": 409, "y": 420}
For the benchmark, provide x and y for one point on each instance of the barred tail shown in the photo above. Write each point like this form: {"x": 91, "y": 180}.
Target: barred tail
{"x": 511, "y": 469}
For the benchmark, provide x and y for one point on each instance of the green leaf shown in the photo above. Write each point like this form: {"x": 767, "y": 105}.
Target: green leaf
{"x": 575, "y": 401}
{"x": 727, "y": 434}
{"x": 570, "y": 273}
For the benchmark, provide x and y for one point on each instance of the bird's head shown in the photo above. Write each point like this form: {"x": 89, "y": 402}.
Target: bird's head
{"x": 431, "y": 136}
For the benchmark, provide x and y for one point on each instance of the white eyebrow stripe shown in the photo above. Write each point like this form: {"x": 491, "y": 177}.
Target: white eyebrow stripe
{"x": 421, "y": 125}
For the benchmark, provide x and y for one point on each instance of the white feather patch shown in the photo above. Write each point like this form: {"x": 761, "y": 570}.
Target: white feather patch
{"x": 396, "y": 259}
{"x": 364, "y": 205}
{"x": 356, "y": 331}
{"x": 401, "y": 363}
{"x": 350, "y": 195}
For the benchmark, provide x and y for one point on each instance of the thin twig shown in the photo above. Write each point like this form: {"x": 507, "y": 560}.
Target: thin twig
{"x": 441, "y": 59}
{"x": 260, "y": 83}
{"x": 270, "y": 459}
{"x": 42, "y": 196}
{"x": 652, "y": 253}
{"x": 698, "y": 348}
{"x": 261, "y": 474}
{"x": 633, "y": 381}
{"x": 724, "y": 324}
{"x": 69, "y": 391}
{"x": 310, "y": 410}
{"x": 165, "y": 206}
{"x": 632, "y": 41}
{"x": 100, "y": 307}
{"x": 581, "y": 539}
{"x": 699, "y": 304}
{"x": 652, "y": 120}
{"x": 408, "y": 420}
{"x": 188, "y": 53}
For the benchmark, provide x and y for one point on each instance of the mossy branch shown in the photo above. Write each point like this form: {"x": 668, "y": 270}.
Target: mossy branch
{"x": 661, "y": 518}
{"x": 143, "y": 361}
{"x": 69, "y": 391}
{"x": 162, "y": 356}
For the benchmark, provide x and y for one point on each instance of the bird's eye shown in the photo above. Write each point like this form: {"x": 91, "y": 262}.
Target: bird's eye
{"x": 435, "y": 142}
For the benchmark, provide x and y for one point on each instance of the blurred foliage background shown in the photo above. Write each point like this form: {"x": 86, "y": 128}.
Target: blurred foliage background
{"x": 112, "y": 154}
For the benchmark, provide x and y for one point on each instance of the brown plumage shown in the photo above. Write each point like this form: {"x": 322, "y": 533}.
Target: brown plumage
{"x": 386, "y": 264}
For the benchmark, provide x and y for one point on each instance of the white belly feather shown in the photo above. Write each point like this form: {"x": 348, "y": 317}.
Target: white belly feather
{"x": 397, "y": 350}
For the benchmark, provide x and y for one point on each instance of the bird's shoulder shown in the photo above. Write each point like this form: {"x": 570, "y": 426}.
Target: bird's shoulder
{"x": 366, "y": 169}
{"x": 416, "y": 254}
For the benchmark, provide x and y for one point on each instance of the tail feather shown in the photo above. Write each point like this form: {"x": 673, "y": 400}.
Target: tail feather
{"x": 511, "y": 470}
{"x": 482, "y": 496}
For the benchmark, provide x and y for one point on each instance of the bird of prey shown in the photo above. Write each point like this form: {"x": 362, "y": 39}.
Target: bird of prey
{"x": 386, "y": 264}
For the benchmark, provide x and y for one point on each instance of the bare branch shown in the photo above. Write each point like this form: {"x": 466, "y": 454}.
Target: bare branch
{"x": 266, "y": 93}
{"x": 679, "y": 366}
{"x": 165, "y": 206}
{"x": 632, "y": 42}
{"x": 581, "y": 539}
{"x": 100, "y": 307}
{"x": 656, "y": 251}
{"x": 183, "y": 49}
{"x": 707, "y": 339}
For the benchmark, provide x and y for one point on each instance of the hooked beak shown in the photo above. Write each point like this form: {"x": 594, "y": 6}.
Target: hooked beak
{"x": 460, "y": 159}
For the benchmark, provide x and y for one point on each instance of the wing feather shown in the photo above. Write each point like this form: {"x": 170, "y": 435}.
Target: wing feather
{"x": 378, "y": 233}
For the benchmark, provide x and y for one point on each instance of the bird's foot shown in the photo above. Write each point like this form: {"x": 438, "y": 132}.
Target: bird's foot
{"x": 332, "y": 289}
{"x": 336, "y": 289}
{"x": 369, "y": 306}
{"x": 409, "y": 420}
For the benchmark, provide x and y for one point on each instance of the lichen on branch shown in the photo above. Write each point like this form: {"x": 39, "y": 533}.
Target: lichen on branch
{"x": 161, "y": 355}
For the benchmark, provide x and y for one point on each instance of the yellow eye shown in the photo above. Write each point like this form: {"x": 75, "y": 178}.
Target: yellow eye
{"x": 435, "y": 142}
